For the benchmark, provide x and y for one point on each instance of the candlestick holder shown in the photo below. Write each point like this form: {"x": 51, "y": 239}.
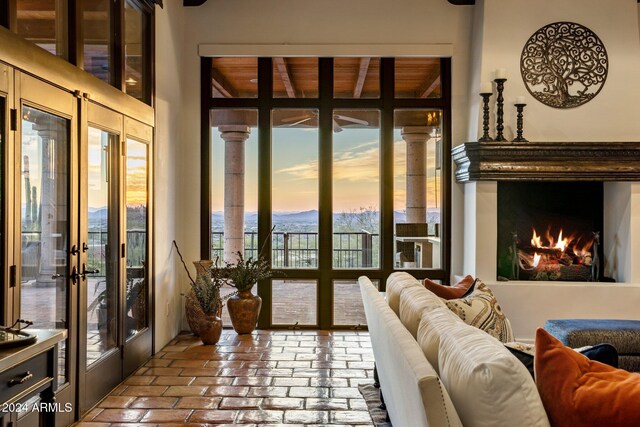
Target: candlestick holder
{"x": 485, "y": 117}
{"x": 519, "y": 137}
{"x": 500, "y": 110}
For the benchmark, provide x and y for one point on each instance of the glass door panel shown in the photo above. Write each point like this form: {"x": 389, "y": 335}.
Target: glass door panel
{"x": 136, "y": 197}
{"x": 101, "y": 248}
{"x": 356, "y": 189}
{"x": 295, "y": 189}
{"x": 44, "y": 210}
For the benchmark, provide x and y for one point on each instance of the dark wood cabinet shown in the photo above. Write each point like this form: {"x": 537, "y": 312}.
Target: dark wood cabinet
{"x": 28, "y": 382}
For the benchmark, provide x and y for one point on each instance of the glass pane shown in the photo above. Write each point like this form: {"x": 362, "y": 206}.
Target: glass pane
{"x": 294, "y": 302}
{"x": 136, "y": 51}
{"x": 295, "y": 188}
{"x": 417, "y": 188}
{"x": 136, "y": 196}
{"x": 234, "y": 188}
{"x": 44, "y": 203}
{"x": 102, "y": 241}
{"x": 44, "y": 22}
{"x": 295, "y": 77}
{"x": 418, "y": 78}
{"x": 356, "y": 189}
{"x": 96, "y": 38}
{"x": 347, "y": 307}
{"x": 356, "y": 77}
{"x": 234, "y": 78}
{"x": 234, "y": 183}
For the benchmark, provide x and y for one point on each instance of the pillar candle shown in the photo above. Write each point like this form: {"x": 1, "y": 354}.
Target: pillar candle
{"x": 520, "y": 100}
{"x": 486, "y": 87}
{"x": 501, "y": 73}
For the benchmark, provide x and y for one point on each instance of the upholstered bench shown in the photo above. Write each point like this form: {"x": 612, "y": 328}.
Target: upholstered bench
{"x": 624, "y": 335}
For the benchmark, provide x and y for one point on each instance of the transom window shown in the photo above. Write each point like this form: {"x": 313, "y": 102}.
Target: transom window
{"x": 332, "y": 168}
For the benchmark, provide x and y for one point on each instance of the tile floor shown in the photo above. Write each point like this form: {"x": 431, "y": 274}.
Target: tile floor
{"x": 287, "y": 378}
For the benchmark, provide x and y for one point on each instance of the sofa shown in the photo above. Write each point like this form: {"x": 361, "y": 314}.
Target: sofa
{"x": 436, "y": 370}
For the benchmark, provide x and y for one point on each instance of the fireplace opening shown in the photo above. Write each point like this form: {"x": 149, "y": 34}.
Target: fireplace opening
{"x": 550, "y": 231}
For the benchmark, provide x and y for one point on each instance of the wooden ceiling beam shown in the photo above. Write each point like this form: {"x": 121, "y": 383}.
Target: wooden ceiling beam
{"x": 362, "y": 76}
{"x": 427, "y": 88}
{"x": 281, "y": 65}
{"x": 222, "y": 85}
{"x": 465, "y": 2}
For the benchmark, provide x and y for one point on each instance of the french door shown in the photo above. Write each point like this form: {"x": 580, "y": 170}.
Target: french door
{"x": 78, "y": 205}
{"x": 46, "y": 217}
{"x": 114, "y": 309}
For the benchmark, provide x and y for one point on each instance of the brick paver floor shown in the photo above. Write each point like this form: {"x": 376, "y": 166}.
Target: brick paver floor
{"x": 303, "y": 378}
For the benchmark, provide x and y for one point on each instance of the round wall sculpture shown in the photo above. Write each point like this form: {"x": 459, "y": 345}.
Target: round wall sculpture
{"x": 564, "y": 65}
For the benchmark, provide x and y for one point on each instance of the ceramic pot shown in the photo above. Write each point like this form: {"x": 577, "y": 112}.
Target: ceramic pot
{"x": 244, "y": 309}
{"x": 210, "y": 328}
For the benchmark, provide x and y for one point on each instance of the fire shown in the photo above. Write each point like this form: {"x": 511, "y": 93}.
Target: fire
{"x": 560, "y": 243}
{"x": 536, "y": 260}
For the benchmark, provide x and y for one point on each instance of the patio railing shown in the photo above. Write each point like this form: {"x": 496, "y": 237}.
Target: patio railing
{"x": 300, "y": 249}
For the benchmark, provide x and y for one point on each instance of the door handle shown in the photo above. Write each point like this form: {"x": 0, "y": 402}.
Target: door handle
{"x": 74, "y": 275}
{"x": 85, "y": 272}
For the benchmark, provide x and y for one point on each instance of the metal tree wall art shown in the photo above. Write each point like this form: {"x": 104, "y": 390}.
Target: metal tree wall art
{"x": 564, "y": 65}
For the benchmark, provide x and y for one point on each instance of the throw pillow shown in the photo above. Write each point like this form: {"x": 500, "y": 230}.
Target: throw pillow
{"x": 577, "y": 391}
{"x": 487, "y": 385}
{"x": 603, "y": 353}
{"x": 458, "y": 290}
{"x": 481, "y": 309}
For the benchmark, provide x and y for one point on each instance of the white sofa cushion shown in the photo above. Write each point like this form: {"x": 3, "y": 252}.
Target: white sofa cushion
{"x": 396, "y": 283}
{"x": 434, "y": 324}
{"x": 487, "y": 384}
{"x": 412, "y": 390}
{"x": 414, "y": 300}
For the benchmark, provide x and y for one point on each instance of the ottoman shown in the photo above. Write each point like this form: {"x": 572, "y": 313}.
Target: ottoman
{"x": 624, "y": 335}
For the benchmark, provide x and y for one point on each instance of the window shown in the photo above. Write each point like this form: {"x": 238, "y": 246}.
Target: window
{"x": 112, "y": 40}
{"x": 43, "y": 22}
{"x": 346, "y": 173}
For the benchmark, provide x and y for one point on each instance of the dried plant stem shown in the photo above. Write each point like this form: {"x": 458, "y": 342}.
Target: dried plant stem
{"x": 183, "y": 263}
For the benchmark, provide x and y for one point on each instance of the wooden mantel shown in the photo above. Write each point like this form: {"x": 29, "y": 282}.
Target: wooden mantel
{"x": 547, "y": 161}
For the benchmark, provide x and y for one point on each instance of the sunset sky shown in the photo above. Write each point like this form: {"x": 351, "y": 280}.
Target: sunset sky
{"x": 295, "y": 170}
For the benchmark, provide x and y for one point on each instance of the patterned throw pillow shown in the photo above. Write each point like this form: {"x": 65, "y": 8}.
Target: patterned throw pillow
{"x": 481, "y": 309}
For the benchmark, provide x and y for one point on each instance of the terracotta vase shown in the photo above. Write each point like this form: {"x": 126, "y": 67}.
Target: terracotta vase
{"x": 244, "y": 309}
{"x": 210, "y": 328}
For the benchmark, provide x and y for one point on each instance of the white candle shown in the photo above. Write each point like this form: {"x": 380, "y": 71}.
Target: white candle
{"x": 520, "y": 100}
{"x": 501, "y": 73}
{"x": 486, "y": 87}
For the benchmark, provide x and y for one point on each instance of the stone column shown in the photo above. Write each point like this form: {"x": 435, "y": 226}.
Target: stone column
{"x": 234, "y": 137}
{"x": 416, "y": 138}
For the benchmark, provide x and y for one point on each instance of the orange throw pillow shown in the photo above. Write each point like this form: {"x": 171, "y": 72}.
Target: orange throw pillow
{"x": 577, "y": 391}
{"x": 449, "y": 292}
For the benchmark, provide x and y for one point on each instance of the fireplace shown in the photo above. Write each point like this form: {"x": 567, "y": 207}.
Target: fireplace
{"x": 550, "y": 231}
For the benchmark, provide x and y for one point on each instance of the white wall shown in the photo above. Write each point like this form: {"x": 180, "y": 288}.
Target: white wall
{"x": 610, "y": 116}
{"x": 168, "y": 141}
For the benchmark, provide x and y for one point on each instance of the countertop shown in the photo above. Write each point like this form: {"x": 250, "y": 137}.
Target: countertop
{"x": 47, "y": 338}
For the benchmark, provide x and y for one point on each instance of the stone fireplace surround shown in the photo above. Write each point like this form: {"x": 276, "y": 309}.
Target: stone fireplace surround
{"x": 529, "y": 304}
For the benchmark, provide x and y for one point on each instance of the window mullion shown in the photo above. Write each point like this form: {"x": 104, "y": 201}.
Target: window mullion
{"x": 387, "y": 73}
{"x": 325, "y": 206}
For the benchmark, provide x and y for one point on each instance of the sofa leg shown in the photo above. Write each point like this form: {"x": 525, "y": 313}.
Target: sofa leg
{"x": 382, "y": 404}
{"x": 376, "y": 380}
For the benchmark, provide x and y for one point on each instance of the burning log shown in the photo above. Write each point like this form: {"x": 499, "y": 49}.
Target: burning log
{"x": 561, "y": 258}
